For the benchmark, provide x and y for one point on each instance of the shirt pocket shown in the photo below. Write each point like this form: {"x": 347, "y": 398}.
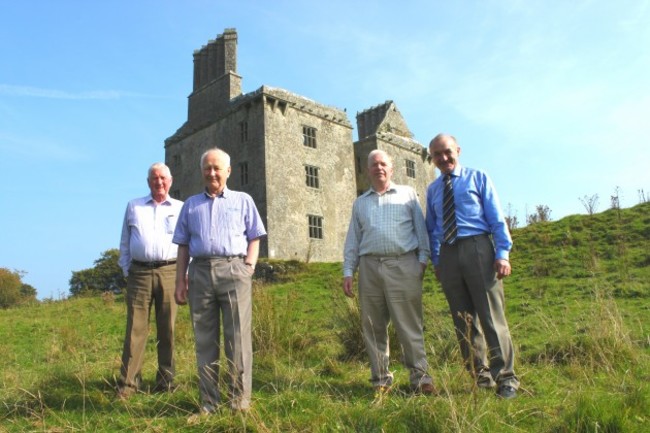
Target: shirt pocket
{"x": 170, "y": 223}
{"x": 470, "y": 205}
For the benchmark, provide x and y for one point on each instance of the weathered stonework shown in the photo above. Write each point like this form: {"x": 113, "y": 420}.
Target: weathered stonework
{"x": 263, "y": 133}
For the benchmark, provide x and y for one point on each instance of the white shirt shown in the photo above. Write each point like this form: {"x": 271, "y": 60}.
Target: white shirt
{"x": 147, "y": 231}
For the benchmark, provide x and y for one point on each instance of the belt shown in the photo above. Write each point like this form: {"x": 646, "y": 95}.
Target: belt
{"x": 388, "y": 256}
{"x": 154, "y": 265}
{"x": 216, "y": 258}
{"x": 467, "y": 238}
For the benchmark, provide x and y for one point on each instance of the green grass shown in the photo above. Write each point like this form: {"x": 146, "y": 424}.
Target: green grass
{"x": 578, "y": 307}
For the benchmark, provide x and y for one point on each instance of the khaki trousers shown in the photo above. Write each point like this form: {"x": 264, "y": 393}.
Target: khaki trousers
{"x": 390, "y": 288}
{"x": 477, "y": 305}
{"x": 220, "y": 290}
{"x": 148, "y": 287}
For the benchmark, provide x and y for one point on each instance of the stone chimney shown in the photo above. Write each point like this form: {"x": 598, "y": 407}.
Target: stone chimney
{"x": 215, "y": 78}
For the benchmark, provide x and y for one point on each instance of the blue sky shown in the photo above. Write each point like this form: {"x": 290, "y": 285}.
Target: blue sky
{"x": 550, "y": 97}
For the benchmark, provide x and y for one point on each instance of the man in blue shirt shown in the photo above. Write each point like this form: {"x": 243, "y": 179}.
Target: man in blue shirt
{"x": 221, "y": 230}
{"x": 470, "y": 245}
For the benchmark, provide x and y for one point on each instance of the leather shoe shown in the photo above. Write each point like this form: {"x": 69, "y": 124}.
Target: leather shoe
{"x": 485, "y": 382}
{"x": 425, "y": 389}
{"x": 507, "y": 392}
{"x": 164, "y": 387}
{"x": 125, "y": 392}
{"x": 382, "y": 389}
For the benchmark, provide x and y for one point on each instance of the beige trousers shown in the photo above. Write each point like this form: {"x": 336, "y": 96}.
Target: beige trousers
{"x": 220, "y": 291}
{"x": 390, "y": 289}
{"x": 146, "y": 288}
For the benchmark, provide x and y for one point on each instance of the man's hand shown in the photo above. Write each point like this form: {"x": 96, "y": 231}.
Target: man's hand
{"x": 502, "y": 268}
{"x": 347, "y": 287}
{"x": 181, "y": 291}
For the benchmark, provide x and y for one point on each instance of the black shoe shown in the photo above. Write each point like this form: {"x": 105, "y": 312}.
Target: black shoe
{"x": 485, "y": 382}
{"x": 164, "y": 387}
{"x": 507, "y": 392}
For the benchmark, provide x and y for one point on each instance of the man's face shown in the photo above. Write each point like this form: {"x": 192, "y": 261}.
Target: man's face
{"x": 444, "y": 152}
{"x": 380, "y": 169}
{"x": 215, "y": 172}
{"x": 159, "y": 183}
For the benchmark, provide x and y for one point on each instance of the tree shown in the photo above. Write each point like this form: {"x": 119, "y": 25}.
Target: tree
{"x": 511, "y": 218}
{"x": 615, "y": 199}
{"x": 27, "y": 292}
{"x": 10, "y": 284}
{"x": 105, "y": 276}
{"x": 542, "y": 214}
{"x": 590, "y": 203}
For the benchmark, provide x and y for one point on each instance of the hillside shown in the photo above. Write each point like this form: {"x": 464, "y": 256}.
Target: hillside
{"x": 578, "y": 305}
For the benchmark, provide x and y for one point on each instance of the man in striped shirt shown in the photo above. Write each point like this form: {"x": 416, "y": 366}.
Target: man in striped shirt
{"x": 387, "y": 241}
{"x": 220, "y": 229}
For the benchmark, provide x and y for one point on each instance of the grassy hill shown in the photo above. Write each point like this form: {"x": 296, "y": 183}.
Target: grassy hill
{"x": 578, "y": 307}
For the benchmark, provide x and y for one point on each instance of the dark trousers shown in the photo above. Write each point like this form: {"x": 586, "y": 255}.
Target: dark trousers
{"x": 476, "y": 302}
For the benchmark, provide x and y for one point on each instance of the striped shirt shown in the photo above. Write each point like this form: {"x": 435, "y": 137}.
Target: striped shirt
{"x": 385, "y": 225}
{"x": 219, "y": 226}
{"x": 147, "y": 231}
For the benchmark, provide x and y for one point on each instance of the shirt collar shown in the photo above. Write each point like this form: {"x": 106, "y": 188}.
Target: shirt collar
{"x": 455, "y": 172}
{"x": 164, "y": 202}
{"x": 223, "y": 193}
{"x": 391, "y": 188}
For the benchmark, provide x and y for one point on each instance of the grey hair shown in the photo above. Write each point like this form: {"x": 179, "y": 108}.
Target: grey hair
{"x": 440, "y": 137}
{"x": 223, "y": 155}
{"x": 159, "y": 166}
{"x": 380, "y": 152}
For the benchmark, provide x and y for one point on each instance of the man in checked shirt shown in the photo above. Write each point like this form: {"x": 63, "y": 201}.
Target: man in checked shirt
{"x": 387, "y": 240}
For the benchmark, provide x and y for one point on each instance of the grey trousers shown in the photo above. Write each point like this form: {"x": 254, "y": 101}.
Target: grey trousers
{"x": 477, "y": 305}
{"x": 390, "y": 288}
{"x": 146, "y": 288}
{"x": 220, "y": 291}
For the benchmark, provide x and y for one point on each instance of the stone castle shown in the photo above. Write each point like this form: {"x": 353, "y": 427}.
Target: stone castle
{"x": 294, "y": 156}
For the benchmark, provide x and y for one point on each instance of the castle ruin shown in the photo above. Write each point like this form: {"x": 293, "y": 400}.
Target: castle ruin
{"x": 294, "y": 156}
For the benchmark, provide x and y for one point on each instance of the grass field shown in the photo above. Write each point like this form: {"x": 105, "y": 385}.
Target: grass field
{"x": 578, "y": 307}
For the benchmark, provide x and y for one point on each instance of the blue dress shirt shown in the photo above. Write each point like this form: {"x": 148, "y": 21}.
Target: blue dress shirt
{"x": 478, "y": 211}
{"x": 219, "y": 226}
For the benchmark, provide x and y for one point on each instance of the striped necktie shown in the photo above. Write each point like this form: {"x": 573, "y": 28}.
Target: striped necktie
{"x": 449, "y": 212}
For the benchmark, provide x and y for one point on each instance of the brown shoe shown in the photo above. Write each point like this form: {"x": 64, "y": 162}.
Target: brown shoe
{"x": 125, "y": 392}
{"x": 425, "y": 389}
{"x": 382, "y": 390}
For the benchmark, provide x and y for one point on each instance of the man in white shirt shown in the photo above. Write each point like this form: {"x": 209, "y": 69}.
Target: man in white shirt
{"x": 387, "y": 240}
{"x": 148, "y": 260}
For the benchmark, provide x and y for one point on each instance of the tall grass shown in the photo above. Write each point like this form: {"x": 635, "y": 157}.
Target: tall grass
{"x": 581, "y": 338}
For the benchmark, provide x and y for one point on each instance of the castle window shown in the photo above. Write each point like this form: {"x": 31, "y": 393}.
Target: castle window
{"x": 176, "y": 162}
{"x": 243, "y": 173}
{"x": 311, "y": 176}
{"x": 176, "y": 193}
{"x": 309, "y": 136}
{"x": 243, "y": 131}
{"x": 410, "y": 168}
{"x": 358, "y": 161}
{"x": 315, "y": 226}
